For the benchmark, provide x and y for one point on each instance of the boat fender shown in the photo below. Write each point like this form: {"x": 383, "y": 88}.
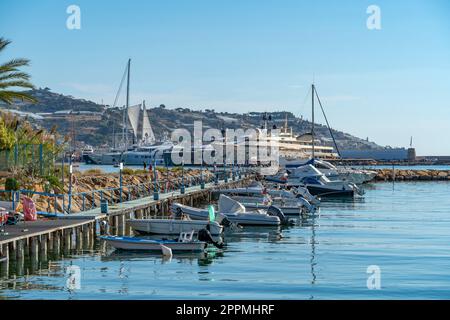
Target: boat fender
{"x": 104, "y": 227}
{"x": 275, "y": 211}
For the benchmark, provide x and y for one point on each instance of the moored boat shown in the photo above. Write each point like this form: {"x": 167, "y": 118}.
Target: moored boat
{"x": 135, "y": 243}
{"x": 173, "y": 226}
{"x": 235, "y": 212}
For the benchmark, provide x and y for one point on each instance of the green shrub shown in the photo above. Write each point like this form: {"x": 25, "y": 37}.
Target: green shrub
{"x": 127, "y": 171}
{"x": 12, "y": 184}
{"x": 54, "y": 183}
{"x": 93, "y": 172}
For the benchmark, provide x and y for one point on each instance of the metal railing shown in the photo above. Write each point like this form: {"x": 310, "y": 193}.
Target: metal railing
{"x": 87, "y": 200}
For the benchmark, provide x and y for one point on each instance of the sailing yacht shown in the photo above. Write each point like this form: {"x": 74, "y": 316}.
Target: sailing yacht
{"x": 144, "y": 148}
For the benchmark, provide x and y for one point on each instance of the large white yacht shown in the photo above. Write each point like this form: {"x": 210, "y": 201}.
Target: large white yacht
{"x": 293, "y": 148}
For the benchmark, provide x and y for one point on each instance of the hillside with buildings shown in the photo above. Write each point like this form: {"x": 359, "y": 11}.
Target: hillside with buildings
{"x": 87, "y": 122}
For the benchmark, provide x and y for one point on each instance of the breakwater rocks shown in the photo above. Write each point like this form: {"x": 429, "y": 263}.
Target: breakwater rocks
{"x": 412, "y": 175}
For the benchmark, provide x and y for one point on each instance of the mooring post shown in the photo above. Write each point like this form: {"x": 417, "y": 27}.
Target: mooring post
{"x": 67, "y": 240}
{"x": 4, "y": 262}
{"x": 49, "y": 240}
{"x": 120, "y": 180}
{"x": 12, "y": 248}
{"x": 85, "y": 234}
{"x": 20, "y": 254}
{"x": 225, "y": 179}
{"x": 79, "y": 239}
{"x": 57, "y": 243}
{"x": 202, "y": 182}
{"x": 182, "y": 190}
{"x": 4, "y": 253}
{"x": 70, "y": 184}
{"x": 216, "y": 175}
{"x": 155, "y": 183}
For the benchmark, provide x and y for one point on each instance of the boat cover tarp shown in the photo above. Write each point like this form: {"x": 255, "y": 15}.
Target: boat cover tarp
{"x": 228, "y": 205}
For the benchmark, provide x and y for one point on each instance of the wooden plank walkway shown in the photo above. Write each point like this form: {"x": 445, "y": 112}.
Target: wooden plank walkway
{"x": 24, "y": 230}
{"x": 81, "y": 227}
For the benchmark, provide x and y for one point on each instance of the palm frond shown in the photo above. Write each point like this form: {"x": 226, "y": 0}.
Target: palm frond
{"x": 18, "y": 83}
{"x": 13, "y": 65}
{"x": 14, "y": 75}
{"x": 8, "y": 96}
{"x": 4, "y": 43}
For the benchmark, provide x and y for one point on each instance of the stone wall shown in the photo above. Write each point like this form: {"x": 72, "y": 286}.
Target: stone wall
{"x": 412, "y": 175}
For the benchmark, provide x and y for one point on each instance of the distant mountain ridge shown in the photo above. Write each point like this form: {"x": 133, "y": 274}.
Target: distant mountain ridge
{"x": 94, "y": 124}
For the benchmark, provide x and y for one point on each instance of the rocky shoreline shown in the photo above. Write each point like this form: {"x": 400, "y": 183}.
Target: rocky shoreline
{"x": 412, "y": 175}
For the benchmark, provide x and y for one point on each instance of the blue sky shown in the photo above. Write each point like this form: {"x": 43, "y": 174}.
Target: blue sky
{"x": 252, "y": 55}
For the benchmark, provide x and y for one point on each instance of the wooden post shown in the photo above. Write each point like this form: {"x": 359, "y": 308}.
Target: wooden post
{"x": 116, "y": 224}
{"x": 20, "y": 254}
{"x": 79, "y": 239}
{"x": 12, "y": 247}
{"x": 57, "y": 243}
{"x": 86, "y": 235}
{"x": 121, "y": 225}
{"x": 67, "y": 240}
{"x": 34, "y": 253}
{"x": 4, "y": 265}
{"x": 49, "y": 239}
{"x": 43, "y": 247}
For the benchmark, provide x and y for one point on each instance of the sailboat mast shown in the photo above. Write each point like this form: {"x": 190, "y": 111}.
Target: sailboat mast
{"x": 127, "y": 103}
{"x": 312, "y": 129}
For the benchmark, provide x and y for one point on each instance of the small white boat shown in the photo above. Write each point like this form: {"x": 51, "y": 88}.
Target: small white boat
{"x": 234, "y": 212}
{"x": 256, "y": 196}
{"x": 173, "y": 226}
{"x": 133, "y": 243}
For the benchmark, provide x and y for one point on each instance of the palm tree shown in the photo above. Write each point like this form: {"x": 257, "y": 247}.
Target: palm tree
{"x": 11, "y": 77}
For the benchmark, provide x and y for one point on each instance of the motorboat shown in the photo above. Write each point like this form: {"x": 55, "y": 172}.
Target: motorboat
{"x": 319, "y": 184}
{"x": 136, "y": 243}
{"x": 233, "y": 211}
{"x": 357, "y": 176}
{"x": 173, "y": 226}
{"x": 256, "y": 196}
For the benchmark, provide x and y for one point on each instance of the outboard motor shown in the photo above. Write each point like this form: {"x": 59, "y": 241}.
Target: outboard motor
{"x": 305, "y": 203}
{"x": 275, "y": 211}
{"x": 358, "y": 190}
{"x": 178, "y": 212}
{"x": 205, "y": 236}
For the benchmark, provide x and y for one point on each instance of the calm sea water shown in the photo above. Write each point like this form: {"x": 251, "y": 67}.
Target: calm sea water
{"x": 403, "y": 229}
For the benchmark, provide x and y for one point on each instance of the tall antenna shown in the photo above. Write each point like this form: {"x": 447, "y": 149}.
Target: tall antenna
{"x": 127, "y": 102}
{"x": 312, "y": 124}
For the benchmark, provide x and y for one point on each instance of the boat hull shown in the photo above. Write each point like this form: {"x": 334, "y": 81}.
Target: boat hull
{"x": 248, "y": 218}
{"x": 329, "y": 192}
{"x": 288, "y": 211}
{"x": 172, "y": 226}
{"x": 126, "y": 243}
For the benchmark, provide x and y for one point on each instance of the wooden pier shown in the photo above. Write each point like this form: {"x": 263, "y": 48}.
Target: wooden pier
{"x": 38, "y": 239}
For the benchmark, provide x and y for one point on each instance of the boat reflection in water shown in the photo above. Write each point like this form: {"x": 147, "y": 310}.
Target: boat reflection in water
{"x": 202, "y": 258}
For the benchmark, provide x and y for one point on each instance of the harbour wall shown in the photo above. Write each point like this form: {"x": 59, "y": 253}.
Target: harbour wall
{"x": 412, "y": 175}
